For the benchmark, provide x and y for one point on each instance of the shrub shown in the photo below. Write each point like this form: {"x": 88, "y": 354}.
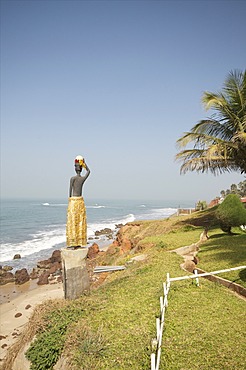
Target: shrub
{"x": 231, "y": 213}
{"x": 161, "y": 244}
{"x": 201, "y": 205}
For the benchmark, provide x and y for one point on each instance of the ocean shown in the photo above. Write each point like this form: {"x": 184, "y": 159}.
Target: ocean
{"x": 35, "y": 228}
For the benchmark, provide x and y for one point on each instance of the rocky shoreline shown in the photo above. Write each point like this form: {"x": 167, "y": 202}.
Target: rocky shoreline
{"x": 49, "y": 270}
{"x": 45, "y": 271}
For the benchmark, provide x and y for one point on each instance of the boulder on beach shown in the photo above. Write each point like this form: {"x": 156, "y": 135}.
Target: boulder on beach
{"x": 6, "y": 277}
{"x": 17, "y": 256}
{"x": 44, "y": 265}
{"x": 56, "y": 266}
{"x": 56, "y": 256}
{"x": 21, "y": 276}
{"x": 34, "y": 274}
{"x": 7, "y": 268}
{"x": 43, "y": 278}
{"x": 54, "y": 259}
{"x": 18, "y": 314}
{"x": 48, "y": 268}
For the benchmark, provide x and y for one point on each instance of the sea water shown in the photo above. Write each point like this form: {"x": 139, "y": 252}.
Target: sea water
{"x": 35, "y": 228}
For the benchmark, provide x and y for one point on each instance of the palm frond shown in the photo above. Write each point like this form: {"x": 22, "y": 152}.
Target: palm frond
{"x": 200, "y": 161}
{"x": 219, "y": 142}
{"x": 211, "y": 100}
{"x": 235, "y": 89}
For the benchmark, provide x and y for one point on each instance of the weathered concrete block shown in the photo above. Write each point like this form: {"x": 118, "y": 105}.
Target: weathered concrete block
{"x": 75, "y": 274}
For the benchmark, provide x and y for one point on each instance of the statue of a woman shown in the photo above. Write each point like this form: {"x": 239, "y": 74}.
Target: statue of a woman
{"x": 76, "y": 212}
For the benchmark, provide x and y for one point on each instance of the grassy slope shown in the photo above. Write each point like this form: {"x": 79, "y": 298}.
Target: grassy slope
{"x": 112, "y": 328}
{"x": 225, "y": 251}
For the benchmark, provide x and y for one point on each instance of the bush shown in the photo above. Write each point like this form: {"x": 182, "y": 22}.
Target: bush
{"x": 231, "y": 213}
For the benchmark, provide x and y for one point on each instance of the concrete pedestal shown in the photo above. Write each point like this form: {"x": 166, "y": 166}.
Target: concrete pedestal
{"x": 75, "y": 274}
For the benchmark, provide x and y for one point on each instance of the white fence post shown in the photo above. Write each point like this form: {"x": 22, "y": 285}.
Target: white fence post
{"x": 153, "y": 361}
{"x": 165, "y": 294}
{"x": 157, "y": 328}
{"x": 161, "y": 303}
{"x": 197, "y": 280}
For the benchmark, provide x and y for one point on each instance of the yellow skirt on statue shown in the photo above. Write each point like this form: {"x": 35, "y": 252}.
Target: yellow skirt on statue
{"x": 76, "y": 222}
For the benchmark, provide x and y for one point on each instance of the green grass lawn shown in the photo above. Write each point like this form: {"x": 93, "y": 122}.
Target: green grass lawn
{"x": 112, "y": 328}
{"x": 224, "y": 251}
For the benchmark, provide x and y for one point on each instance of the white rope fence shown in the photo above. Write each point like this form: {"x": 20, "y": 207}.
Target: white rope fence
{"x": 160, "y": 321}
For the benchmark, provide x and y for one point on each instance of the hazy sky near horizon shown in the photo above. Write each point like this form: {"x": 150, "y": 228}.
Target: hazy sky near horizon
{"x": 117, "y": 82}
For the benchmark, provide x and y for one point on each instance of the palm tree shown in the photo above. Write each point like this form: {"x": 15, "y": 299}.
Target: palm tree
{"x": 219, "y": 142}
{"x": 242, "y": 188}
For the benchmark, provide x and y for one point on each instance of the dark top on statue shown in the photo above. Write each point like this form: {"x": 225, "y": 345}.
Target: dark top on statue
{"x": 76, "y": 182}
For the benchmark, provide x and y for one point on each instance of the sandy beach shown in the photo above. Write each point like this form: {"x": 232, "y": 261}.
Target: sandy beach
{"x": 17, "y": 305}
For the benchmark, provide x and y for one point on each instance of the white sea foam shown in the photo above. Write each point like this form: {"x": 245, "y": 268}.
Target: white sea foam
{"x": 128, "y": 218}
{"x": 96, "y": 207}
{"x": 49, "y": 238}
{"x": 111, "y": 224}
{"x": 40, "y": 241}
{"x": 20, "y": 236}
{"x": 55, "y": 204}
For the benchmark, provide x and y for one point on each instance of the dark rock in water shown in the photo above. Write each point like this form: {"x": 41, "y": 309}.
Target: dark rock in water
{"x": 103, "y": 231}
{"x": 17, "y": 256}
{"x": 21, "y": 276}
{"x": 109, "y": 236}
{"x": 6, "y": 277}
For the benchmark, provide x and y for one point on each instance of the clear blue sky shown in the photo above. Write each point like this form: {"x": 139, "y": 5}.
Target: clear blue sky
{"x": 117, "y": 82}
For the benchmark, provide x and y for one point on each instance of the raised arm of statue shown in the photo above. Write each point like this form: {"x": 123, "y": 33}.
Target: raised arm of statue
{"x": 87, "y": 171}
